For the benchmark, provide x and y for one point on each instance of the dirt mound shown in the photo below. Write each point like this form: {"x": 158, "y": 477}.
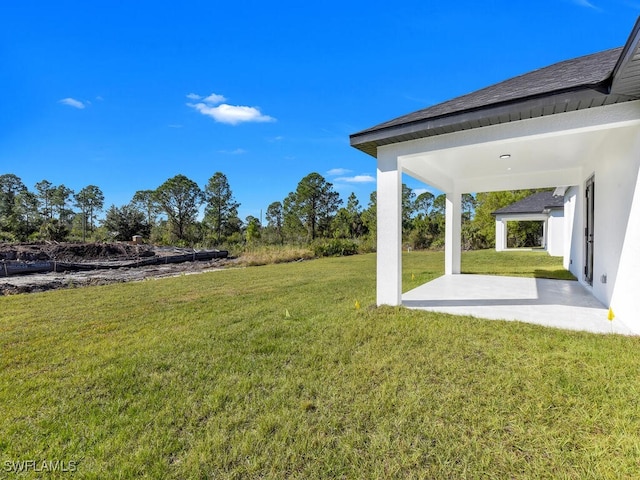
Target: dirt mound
{"x": 105, "y": 263}
{"x": 73, "y": 252}
{"x": 70, "y": 252}
{"x": 24, "y": 252}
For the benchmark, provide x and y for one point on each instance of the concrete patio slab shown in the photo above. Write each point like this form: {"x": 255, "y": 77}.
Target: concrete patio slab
{"x": 552, "y": 303}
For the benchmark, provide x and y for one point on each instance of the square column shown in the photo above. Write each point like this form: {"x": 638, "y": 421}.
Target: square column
{"x": 453, "y": 234}
{"x": 389, "y": 228}
{"x": 501, "y": 234}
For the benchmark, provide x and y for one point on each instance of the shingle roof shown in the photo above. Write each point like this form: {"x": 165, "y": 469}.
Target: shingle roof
{"x": 576, "y": 84}
{"x": 536, "y": 203}
{"x": 591, "y": 71}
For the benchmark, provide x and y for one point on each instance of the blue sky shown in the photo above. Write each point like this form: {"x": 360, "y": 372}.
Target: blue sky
{"x": 126, "y": 94}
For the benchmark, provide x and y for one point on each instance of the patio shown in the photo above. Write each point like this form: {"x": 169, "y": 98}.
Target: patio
{"x": 574, "y": 124}
{"x": 553, "y": 303}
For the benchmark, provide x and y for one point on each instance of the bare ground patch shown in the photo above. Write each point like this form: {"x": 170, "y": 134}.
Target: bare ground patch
{"x": 108, "y": 254}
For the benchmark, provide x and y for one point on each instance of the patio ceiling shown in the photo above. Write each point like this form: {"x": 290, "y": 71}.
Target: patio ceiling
{"x": 533, "y": 153}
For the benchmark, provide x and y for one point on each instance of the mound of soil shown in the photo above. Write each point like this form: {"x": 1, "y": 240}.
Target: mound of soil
{"x": 102, "y": 253}
{"x": 74, "y": 252}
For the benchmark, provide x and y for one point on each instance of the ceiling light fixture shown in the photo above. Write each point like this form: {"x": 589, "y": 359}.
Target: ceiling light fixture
{"x": 505, "y": 156}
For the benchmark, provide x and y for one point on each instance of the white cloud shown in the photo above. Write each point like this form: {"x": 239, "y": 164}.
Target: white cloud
{"x": 194, "y": 96}
{"x": 232, "y": 114}
{"x": 356, "y": 179}
{"x": 214, "y": 99}
{"x": 72, "y": 102}
{"x": 211, "y": 106}
{"x": 338, "y": 171}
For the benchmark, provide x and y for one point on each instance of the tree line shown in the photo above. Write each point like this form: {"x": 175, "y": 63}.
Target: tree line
{"x": 179, "y": 212}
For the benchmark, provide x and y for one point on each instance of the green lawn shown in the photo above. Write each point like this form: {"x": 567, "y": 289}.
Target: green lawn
{"x": 272, "y": 372}
{"x": 421, "y": 267}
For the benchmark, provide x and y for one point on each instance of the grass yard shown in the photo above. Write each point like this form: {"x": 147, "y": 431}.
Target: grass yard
{"x": 272, "y": 372}
{"x": 421, "y": 267}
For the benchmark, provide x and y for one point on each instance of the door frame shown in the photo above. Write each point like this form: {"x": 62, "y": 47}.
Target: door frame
{"x": 589, "y": 230}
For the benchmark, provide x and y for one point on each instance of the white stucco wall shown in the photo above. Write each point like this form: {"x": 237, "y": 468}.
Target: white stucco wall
{"x": 625, "y": 301}
{"x": 572, "y": 229}
{"x": 501, "y": 233}
{"x": 616, "y": 234}
{"x": 555, "y": 233}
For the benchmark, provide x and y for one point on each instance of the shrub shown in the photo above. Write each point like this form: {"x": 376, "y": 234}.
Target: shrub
{"x": 367, "y": 244}
{"x": 269, "y": 254}
{"x": 7, "y": 237}
{"x": 335, "y": 247}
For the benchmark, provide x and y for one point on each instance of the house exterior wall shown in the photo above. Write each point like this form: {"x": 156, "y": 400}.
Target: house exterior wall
{"x": 625, "y": 301}
{"x": 616, "y": 283}
{"x": 501, "y": 233}
{"x": 572, "y": 228}
{"x": 555, "y": 233}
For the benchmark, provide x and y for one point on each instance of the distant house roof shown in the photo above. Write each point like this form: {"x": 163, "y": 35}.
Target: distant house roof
{"x": 604, "y": 78}
{"x": 536, "y": 203}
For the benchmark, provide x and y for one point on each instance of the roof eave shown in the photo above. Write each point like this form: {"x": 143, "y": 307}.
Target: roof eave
{"x": 579, "y": 98}
{"x": 625, "y": 74}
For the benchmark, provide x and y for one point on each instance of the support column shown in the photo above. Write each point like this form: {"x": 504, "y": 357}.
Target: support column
{"x": 389, "y": 225}
{"x": 453, "y": 233}
{"x": 501, "y": 234}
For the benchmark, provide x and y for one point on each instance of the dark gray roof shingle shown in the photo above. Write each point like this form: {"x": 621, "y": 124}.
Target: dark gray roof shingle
{"x": 536, "y": 203}
{"x": 591, "y": 71}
